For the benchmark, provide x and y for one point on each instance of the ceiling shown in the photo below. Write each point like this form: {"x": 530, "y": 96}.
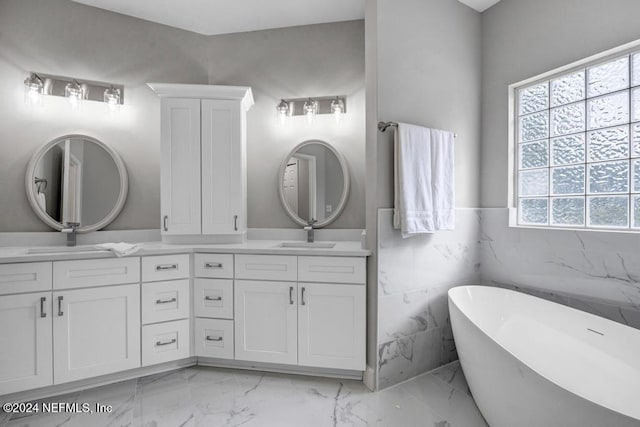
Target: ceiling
{"x": 479, "y": 5}
{"x": 211, "y": 17}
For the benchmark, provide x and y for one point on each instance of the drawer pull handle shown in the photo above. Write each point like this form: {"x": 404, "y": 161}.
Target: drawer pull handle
{"x": 60, "y": 312}
{"x": 302, "y": 297}
{"x": 212, "y": 265}
{"x": 161, "y": 343}
{"x": 291, "y": 295}
{"x": 166, "y": 301}
{"x": 210, "y": 338}
{"x": 42, "y": 301}
{"x": 208, "y": 298}
{"x": 164, "y": 223}
{"x": 166, "y": 267}
{"x": 235, "y": 222}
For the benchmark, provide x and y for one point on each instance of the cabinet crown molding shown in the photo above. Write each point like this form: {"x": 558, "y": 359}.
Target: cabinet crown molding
{"x": 178, "y": 90}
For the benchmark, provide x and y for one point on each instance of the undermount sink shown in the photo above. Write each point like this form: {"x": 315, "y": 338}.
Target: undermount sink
{"x": 314, "y": 245}
{"x": 63, "y": 249}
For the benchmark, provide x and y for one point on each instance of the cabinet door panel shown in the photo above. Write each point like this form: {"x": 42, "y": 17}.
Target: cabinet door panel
{"x": 223, "y": 173}
{"x": 97, "y": 331}
{"x": 180, "y": 166}
{"x": 331, "y": 326}
{"x": 265, "y": 321}
{"x": 25, "y": 342}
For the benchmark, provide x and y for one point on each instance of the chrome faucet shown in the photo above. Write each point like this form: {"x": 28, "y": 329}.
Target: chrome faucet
{"x": 71, "y": 228}
{"x": 309, "y": 229}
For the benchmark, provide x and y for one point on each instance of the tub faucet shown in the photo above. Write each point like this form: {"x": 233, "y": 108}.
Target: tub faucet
{"x": 309, "y": 228}
{"x": 71, "y": 228}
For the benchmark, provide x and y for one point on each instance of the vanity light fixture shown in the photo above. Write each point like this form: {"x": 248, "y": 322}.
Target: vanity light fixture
{"x": 312, "y": 106}
{"x": 73, "y": 91}
{"x": 112, "y": 99}
{"x": 38, "y": 84}
{"x": 33, "y": 90}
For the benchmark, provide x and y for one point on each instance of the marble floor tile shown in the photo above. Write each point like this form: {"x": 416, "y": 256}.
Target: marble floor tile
{"x": 212, "y": 397}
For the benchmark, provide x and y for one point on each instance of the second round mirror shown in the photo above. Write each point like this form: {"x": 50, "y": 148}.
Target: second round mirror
{"x": 313, "y": 183}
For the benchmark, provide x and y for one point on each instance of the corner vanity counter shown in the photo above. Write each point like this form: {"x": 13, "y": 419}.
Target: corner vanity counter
{"x": 77, "y": 317}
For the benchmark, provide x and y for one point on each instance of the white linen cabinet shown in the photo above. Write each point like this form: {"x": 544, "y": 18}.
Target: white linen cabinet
{"x": 203, "y": 161}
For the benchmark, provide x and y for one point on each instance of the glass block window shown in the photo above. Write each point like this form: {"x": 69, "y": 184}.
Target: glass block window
{"x": 578, "y": 147}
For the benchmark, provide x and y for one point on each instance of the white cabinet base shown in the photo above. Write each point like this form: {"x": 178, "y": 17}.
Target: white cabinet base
{"x": 164, "y": 342}
{"x": 266, "y": 321}
{"x": 331, "y": 326}
{"x": 214, "y": 338}
{"x": 97, "y": 331}
{"x": 25, "y": 342}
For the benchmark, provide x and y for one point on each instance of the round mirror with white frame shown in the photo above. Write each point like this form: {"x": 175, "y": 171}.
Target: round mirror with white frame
{"x": 76, "y": 179}
{"x": 313, "y": 183}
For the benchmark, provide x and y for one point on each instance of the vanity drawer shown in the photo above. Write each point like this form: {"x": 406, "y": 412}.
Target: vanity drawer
{"x": 165, "y": 267}
{"x": 266, "y": 267}
{"x": 217, "y": 266}
{"x": 26, "y": 277}
{"x": 164, "y": 342}
{"x": 214, "y": 338}
{"x": 162, "y": 301}
{"x": 332, "y": 269}
{"x": 95, "y": 272}
{"x": 213, "y": 298}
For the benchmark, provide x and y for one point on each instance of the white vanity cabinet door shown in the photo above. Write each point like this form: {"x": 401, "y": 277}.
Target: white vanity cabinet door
{"x": 331, "y": 326}
{"x": 266, "y": 321}
{"x": 180, "y": 166}
{"x": 97, "y": 331}
{"x": 223, "y": 171}
{"x": 25, "y": 342}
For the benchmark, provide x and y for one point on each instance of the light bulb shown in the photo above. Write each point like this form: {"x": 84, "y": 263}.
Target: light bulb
{"x": 337, "y": 108}
{"x": 112, "y": 99}
{"x": 310, "y": 109}
{"x": 73, "y": 92}
{"x": 33, "y": 90}
{"x": 283, "y": 111}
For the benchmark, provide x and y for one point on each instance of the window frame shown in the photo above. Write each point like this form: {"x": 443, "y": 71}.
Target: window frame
{"x": 513, "y": 144}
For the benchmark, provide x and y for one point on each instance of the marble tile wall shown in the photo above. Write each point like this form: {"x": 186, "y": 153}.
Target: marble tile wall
{"x": 597, "y": 272}
{"x": 414, "y": 275}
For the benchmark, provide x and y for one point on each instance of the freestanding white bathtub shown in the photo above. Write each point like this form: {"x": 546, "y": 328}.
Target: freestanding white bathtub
{"x": 531, "y": 362}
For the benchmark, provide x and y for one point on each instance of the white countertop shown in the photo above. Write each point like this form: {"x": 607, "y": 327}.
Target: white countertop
{"x": 269, "y": 247}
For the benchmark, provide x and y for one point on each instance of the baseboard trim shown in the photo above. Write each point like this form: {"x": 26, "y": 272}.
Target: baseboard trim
{"x": 71, "y": 387}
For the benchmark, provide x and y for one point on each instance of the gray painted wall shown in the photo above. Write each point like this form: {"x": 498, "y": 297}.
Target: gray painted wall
{"x": 64, "y": 38}
{"x": 423, "y": 67}
{"x": 523, "y": 38}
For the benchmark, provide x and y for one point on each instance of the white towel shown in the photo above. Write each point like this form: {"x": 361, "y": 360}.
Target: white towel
{"x": 120, "y": 249}
{"x": 42, "y": 201}
{"x": 423, "y": 180}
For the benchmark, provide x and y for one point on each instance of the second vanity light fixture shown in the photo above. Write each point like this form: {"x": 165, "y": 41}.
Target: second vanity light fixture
{"x": 310, "y": 107}
{"x": 37, "y": 85}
